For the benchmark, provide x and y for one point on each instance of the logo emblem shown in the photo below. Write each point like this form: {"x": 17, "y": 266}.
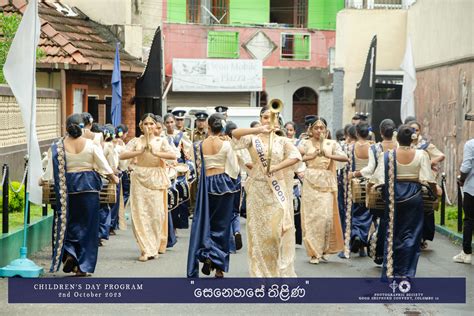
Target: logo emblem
{"x": 404, "y": 286}
{"x": 393, "y": 286}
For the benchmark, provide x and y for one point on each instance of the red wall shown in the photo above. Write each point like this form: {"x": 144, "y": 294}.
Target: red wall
{"x": 190, "y": 41}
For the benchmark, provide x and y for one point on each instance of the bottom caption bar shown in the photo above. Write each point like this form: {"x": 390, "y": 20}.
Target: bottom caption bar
{"x": 237, "y": 290}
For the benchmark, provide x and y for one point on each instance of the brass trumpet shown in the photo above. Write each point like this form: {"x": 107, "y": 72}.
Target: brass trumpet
{"x": 275, "y": 106}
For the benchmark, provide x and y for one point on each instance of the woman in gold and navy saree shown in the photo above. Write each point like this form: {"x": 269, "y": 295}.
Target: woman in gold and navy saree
{"x": 211, "y": 226}
{"x": 77, "y": 185}
{"x": 403, "y": 171}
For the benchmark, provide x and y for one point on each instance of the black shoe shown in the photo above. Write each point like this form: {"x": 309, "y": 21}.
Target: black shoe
{"x": 238, "y": 241}
{"x": 378, "y": 260}
{"x": 356, "y": 244}
{"x": 206, "y": 268}
{"x": 68, "y": 264}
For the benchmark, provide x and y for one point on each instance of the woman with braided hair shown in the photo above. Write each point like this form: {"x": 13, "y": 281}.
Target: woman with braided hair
{"x": 322, "y": 233}
{"x": 148, "y": 189}
{"x": 77, "y": 185}
{"x": 402, "y": 172}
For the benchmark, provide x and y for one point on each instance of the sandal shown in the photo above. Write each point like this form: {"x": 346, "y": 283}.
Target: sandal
{"x": 69, "y": 264}
{"x": 143, "y": 258}
{"x": 219, "y": 274}
{"x": 81, "y": 274}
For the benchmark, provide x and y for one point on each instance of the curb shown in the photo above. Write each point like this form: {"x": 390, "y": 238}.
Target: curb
{"x": 454, "y": 236}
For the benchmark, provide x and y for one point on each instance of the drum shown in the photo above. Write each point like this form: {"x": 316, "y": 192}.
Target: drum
{"x": 49, "y": 196}
{"x": 108, "y": 194}
{"x": 172, "y": 174}
{"x": 182, "y": 169}
{"x": 173, "y": 196}
{"x": 183, "y": 188}
{"x": 430, "y": 199}
{"x": 374, "y": 200}
{"x": 358, "y": 186}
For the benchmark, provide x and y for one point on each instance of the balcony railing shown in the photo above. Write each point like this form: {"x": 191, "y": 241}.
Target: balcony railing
{"x": 379, "y": 4}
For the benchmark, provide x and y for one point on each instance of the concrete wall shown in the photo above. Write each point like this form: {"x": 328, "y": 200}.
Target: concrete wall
{"x": 108, "y": 12}
{"x": 355, "y": 29}
{"x": 442, "y": 97}
{"x": 441, "y": 31}
{"x": 190, "y": 41}
{"x": 51, "y": 80}
{"x": 12, "y": 131}
{"x": 326, "y": 107}
{"x": 282, "y": 84}
{"x": 148, "y": 14}
{"x": 120, "y": 16}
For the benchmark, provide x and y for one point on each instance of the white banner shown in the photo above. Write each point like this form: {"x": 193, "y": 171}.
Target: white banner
{"x": 20, "y": 73}
{"x": 217, "y": 75}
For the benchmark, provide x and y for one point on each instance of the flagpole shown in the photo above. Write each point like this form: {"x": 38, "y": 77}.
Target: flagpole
{"x": 24, "y": 249}
{"x": 23, "y": 266}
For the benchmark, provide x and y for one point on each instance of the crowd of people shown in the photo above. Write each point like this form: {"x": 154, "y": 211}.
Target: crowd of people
{"x": 313, "y": 190}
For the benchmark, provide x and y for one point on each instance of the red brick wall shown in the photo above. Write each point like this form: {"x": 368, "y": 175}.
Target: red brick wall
{"x": 128, "y": 109}
{"x": 99, "y": 84}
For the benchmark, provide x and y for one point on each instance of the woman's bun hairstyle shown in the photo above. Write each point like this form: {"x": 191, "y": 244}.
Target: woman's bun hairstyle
{"x": 387, "y": 127}
{"x": 73, "y": 127}
{"x": 109, "y": 132}
{"x": 404, "y": 135}
{"x": 217, "y": 123}
{"x": 87, "y": 118}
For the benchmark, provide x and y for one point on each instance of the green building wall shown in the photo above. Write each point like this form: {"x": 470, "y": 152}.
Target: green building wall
{"x": 321, "y": 13}
{"x": 176, "y": 11}
{"x": 249, "y": 11}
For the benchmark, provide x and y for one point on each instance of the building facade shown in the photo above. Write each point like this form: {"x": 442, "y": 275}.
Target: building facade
{"x": 440, "y": 32}
{"x": 292, "y": 40}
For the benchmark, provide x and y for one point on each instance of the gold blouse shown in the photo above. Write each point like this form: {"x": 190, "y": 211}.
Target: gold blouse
{"x": 321, "y": 171}
{"x": 282, "y": 149}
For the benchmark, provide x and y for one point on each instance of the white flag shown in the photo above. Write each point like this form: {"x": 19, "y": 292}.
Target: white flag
{"x": 20, "y": 73}
{"x": 409, "y": 83}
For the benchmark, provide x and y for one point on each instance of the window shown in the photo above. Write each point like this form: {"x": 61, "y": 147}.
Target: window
{"x": 295, "y": 46}
{"x": 193, "y": 11}
{"x": 207, "y": 12}
{"x": 222, "y": 44}
{"x": 220, "y": 11}
{"x": 292, "y": 13}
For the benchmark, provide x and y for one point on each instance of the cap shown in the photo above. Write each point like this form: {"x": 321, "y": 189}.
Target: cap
{"x": 364, "y": 116}
{"x": 309, "y": 119}
{"x": 221, "y": 109}
{"x": 179, "y": 114}
{"x": 202, "y": 116}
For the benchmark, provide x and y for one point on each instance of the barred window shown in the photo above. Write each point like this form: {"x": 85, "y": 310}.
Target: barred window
{"x": 222, "y": 44}
{"x": 295, "y": 46}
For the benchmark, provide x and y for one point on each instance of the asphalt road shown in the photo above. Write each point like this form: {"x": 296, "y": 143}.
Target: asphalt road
{"x": 118, "y": 257}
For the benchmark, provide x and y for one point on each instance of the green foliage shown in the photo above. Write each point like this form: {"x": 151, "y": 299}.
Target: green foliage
{"x": 16, "y": 201}
{"x": 8, "y": 27}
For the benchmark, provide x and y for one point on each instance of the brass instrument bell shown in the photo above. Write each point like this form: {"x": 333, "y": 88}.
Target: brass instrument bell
{"x": 275, "y": 106}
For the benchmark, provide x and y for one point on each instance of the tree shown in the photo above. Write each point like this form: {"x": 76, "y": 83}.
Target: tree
{"x": 8, "y": 25}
